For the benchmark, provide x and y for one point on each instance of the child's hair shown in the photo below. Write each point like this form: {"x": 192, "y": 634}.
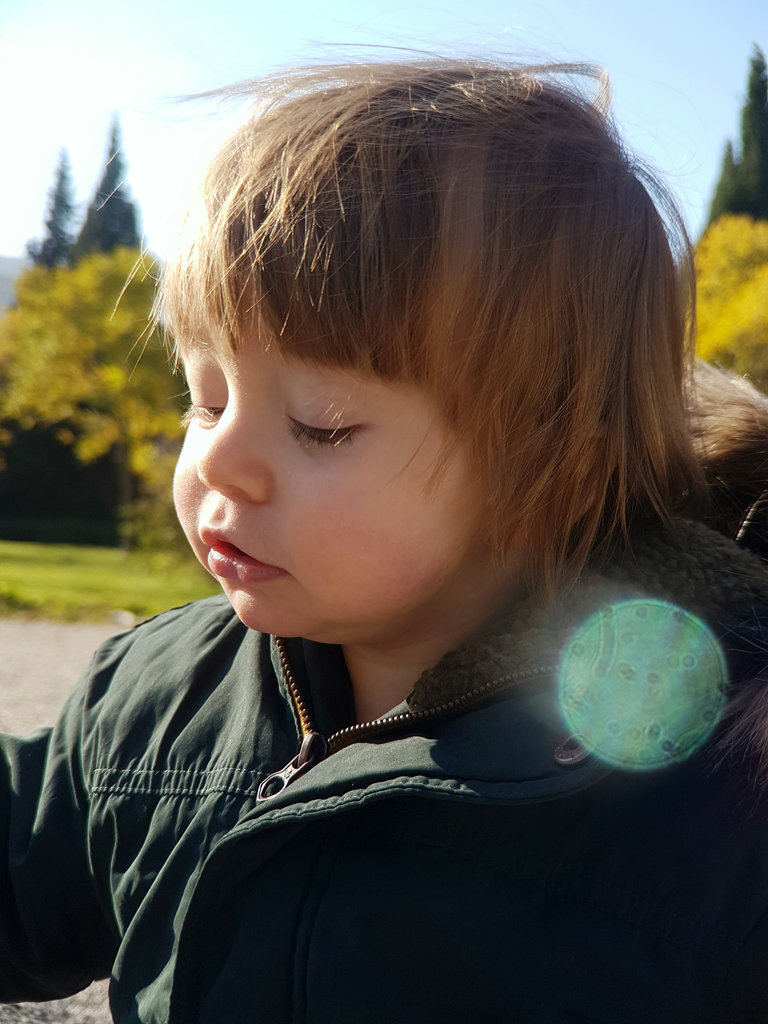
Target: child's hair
{"x": 481, "y": 231}
{"x": 730, "y": 434}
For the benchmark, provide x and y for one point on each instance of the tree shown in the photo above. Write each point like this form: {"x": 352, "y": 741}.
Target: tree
{"x": 76, "y": 357}
{"x": 727, "y": 195}
{"x": 111, "y": 219}
{"x": 732, "y": 287}
{"x": 743, "y": 183}
{"x": 55, "y": 247}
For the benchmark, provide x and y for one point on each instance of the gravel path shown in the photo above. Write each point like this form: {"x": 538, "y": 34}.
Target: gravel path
{"x": 39, "y": 664}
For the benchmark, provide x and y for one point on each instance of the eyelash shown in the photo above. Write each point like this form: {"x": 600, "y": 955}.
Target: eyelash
{"x": 200, "y": 414}
{"x": 322, "y": 437}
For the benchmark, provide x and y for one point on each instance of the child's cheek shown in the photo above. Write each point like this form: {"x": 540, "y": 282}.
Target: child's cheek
{"x": 187, "y": 497}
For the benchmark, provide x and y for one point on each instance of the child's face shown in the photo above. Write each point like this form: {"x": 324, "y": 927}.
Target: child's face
{"x": 305, "y": 491}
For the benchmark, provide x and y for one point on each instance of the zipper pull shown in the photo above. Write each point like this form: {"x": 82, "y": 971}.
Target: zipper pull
{"x": 313, "y": 750}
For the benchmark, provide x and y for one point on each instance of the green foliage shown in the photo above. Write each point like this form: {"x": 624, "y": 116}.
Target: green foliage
{"x": 111, "y": 220}
{"x": 727, "y": 197}
{"x": 754, "y": 139}
{"x": 743, "y": 183}
{"x": 68, "y": 582}
{"x": 732, "y": 287}
{"x": 75, "y": 355}
{"x": 55, "y": 247}
{"x": 47, "y": 495}
{"x": 58, "y": 529}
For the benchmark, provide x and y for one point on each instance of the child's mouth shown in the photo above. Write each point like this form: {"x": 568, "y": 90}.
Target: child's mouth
{"x": 227, "y": 562}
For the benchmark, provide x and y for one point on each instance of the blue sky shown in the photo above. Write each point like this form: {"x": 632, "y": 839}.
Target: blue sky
{"x": 678, "y": 70}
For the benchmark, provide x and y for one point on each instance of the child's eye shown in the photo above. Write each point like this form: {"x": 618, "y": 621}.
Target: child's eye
{"x": 322, "y": 436}
{"x": 206, "y": 416}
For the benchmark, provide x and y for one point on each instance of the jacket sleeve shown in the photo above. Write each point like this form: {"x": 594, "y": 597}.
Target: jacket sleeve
{"x": 55, "y": 936}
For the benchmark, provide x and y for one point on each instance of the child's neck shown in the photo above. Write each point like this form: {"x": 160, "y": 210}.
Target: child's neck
{"x": 383, "y": 675}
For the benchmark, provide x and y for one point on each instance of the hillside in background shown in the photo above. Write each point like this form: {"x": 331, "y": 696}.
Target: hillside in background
{"x": 10, "y": 268}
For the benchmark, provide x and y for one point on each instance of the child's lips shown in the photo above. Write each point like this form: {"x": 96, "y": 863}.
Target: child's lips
{"x": 228, "y": 562}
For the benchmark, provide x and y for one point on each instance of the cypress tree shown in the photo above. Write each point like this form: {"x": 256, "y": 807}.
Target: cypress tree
{"x": 727, "y": 191}
{"x": 743, "y": 183}
{"x": 54, "y": 249}
{"x": 111, "y": 219}
{"x": 754, "y": 139}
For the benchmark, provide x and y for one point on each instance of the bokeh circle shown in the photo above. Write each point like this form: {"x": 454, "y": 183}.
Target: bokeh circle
{"x": 642, "y": 684}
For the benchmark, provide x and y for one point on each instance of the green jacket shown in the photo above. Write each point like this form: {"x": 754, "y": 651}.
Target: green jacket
{"x": 450, "y": 865}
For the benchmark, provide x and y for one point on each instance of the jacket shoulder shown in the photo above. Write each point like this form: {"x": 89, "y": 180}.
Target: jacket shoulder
{"x": 180, "y": 636}
{"x": 172, "y": 688}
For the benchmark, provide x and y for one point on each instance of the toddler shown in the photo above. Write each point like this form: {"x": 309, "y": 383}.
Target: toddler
{"x": 475, "y": 731}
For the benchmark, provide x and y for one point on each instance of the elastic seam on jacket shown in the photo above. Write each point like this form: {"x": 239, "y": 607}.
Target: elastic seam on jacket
{"x": 174, "y": 781}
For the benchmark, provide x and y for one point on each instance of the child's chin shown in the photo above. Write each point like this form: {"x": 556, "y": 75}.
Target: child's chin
{"x": 259, "y": 616}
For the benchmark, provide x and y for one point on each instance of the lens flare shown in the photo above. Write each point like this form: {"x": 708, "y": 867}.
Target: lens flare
{"x": 642, "y": 684}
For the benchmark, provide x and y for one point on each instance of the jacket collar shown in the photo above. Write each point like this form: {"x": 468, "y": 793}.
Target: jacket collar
{"x": 687, "y": 565}
{"x": 504, "y": 750}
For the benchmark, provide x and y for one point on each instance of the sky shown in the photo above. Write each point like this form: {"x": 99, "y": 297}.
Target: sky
{"x": 678, "y": 70}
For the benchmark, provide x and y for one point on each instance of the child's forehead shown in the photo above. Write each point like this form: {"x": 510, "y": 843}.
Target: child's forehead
{"x": 205, "y": 341}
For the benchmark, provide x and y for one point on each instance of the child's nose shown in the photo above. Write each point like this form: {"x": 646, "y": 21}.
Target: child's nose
{"x": 232, "y": 464}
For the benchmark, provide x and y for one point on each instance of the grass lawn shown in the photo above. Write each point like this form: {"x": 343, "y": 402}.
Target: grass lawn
{"x": 64, "y": 581}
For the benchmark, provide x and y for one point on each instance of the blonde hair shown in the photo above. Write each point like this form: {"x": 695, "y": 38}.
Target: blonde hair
{"x": 481, "y": 231}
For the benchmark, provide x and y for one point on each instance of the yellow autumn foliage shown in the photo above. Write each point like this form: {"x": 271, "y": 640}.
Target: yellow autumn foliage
{"x": 76, "y": 355}
{"x": 732, "y": 296}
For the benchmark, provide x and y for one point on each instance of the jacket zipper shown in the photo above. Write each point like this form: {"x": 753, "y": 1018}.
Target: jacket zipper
{"x": 315, "y": 747}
